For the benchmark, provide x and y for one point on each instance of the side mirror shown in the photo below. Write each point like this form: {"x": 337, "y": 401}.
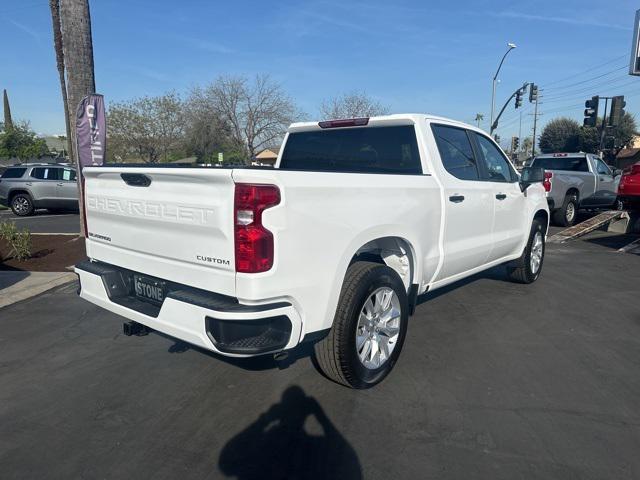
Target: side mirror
{"x": 530, "y": 175}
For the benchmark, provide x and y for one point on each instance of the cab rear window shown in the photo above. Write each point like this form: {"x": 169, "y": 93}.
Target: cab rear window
{"x": 571, "y": 164}
{"x": 356, "y": 150}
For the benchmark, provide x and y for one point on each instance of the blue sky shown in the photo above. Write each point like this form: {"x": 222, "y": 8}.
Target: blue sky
{"x": 415, "y": 56}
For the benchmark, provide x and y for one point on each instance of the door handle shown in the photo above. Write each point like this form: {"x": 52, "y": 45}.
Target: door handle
{"x": 456, "y": 198}
{"x": 501, "y": 196}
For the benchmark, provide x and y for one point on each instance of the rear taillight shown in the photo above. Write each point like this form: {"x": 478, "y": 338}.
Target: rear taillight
{"x": 546, "y": 183}
{"x": 253, "y": 242}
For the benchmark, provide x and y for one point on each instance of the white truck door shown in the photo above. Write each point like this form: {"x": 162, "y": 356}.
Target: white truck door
{"x": 510, "y": 208}
{"x": 468, "y": 224}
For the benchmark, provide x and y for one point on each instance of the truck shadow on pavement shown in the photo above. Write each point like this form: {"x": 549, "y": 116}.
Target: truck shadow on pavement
{"x": 259, "y": 363}
{"x": 498, "y": 273}
{"x": 293, "y": 439}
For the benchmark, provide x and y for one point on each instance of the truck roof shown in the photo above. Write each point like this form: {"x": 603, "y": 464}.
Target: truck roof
{"x": 389, "y": 120}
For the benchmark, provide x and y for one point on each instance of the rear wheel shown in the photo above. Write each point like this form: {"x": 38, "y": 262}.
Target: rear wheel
{"x": 368, "y": 329}
{"x": 566, "y": 215}
{"x": 22, "y": 205}
{"x": 528, "y": 267}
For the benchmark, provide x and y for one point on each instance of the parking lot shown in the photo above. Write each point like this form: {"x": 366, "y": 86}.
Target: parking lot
{"x": 496, "y": 381}
{"x": 44, "y": 221}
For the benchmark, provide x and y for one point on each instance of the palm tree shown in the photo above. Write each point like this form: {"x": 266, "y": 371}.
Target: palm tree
{"x": 479, "y": 118}
{"x": 54, "y": 5}
{"x": 77, "y": 46}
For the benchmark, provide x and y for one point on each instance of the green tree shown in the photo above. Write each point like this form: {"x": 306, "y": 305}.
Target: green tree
{"x": 560, "y": 135}
{"x": 21, "y": 142}
{"x": 149, "y": 128}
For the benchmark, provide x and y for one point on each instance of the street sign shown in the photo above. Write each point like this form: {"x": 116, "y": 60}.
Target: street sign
{"x": 634, "y": 63}
{"x": 220, "y": 157}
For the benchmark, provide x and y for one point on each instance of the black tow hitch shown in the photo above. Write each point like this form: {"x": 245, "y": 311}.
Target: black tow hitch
{"x": 135, "y": 328}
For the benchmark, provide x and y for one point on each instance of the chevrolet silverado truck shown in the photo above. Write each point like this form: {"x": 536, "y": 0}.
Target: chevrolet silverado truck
{"x": 332, "y": 246}
{"x": 574, "y": 181}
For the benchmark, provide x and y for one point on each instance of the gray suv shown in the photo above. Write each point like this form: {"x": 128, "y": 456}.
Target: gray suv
{"x": 29, "y": 186}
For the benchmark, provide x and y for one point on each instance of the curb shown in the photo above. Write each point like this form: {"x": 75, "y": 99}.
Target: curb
{"x": 29, "y": 286}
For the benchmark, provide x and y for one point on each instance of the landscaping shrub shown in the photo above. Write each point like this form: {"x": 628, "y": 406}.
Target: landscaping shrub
{"x": 19, "y": 241}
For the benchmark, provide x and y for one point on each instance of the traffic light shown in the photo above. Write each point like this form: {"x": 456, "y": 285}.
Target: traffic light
{"x": 533, "y": 93}
{"x": 591, "y": 111}
{"x": 515, "y": 143}
{"x": 519, "y": 98}
{"x": 617, "y": 110}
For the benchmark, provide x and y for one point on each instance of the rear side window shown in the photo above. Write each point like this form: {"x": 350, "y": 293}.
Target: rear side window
{"x": 46, "y": 173}
{"x": 13, "y": 172}
{"x": 356, "y": 150}
{"x": 456, "y": 152}
{"x": 68, "y": 174}
{"x": 571, "y": 164}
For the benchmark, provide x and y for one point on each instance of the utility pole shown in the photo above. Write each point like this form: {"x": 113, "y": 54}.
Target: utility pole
{"x": 603, "y": 128}
{"x": 535, "y": 124}
{"x": 77, "y": 45}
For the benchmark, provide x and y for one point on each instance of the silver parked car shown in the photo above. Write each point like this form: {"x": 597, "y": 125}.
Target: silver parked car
{"x": 29, "y": 186}
{"x": 577, "y": 181}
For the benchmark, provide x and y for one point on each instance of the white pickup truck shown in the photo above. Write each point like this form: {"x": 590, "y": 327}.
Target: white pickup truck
{"x": 333, "y": 245}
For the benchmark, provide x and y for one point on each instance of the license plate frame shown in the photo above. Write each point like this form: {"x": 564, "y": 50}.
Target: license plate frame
{"x": 149, "y": 289}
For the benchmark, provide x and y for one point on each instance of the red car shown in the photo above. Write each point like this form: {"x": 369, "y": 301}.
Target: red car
{"x": 629, "y": 187}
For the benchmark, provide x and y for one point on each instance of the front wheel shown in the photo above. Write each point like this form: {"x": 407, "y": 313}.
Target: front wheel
{"x": 528, "y": 267}
{"x": 368, "y": 329}
{"x": 22, "y": 205}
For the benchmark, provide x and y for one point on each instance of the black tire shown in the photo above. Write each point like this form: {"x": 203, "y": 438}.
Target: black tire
{"x": 22, "y": 205}
{"x": 569, "y": 205}
{"x": 619, "y": 204}
{"x": 336, "y": 355}
{"x": 520, "y": 270}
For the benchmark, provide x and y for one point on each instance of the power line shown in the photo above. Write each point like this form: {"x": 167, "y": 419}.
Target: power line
{"x": 586, "y": 71}
{"x": 584, "y": 91}
{"x": 564, "y": 87}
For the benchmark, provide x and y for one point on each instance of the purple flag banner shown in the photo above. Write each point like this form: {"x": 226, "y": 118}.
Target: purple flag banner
{"x": 91, "y": 131}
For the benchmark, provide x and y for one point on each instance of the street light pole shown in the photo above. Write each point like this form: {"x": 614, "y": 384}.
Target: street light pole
{"x": 510, "y": 46}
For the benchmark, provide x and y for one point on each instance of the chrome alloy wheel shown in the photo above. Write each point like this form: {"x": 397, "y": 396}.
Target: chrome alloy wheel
{"x": 571, "y": 212}
{"x": 21, "y": 205}
{"x": 537, "y": 248}
{"x": 378, "y": 328}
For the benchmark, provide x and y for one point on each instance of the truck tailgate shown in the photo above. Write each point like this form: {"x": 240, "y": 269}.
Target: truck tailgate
{"x": 172, "y": 223}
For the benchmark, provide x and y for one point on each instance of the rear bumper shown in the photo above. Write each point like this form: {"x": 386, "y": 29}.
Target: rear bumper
{"x": 209, "y": 320}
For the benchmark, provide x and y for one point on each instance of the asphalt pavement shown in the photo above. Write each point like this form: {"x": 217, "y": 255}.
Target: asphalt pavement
{"x": 45, "y": 222}
{"x": 496, "y": 381}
